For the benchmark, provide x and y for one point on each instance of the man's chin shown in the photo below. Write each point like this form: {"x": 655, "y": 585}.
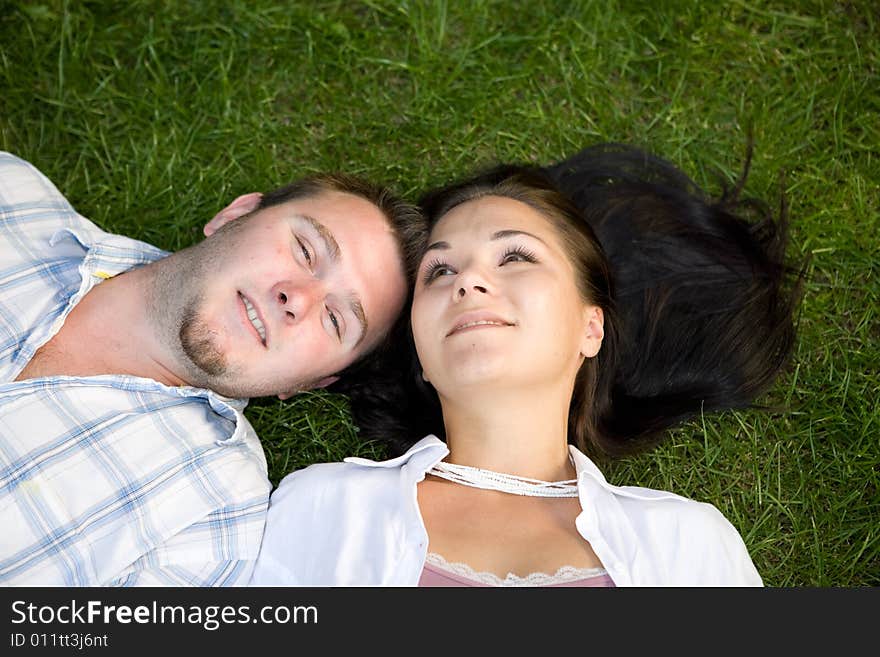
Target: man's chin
{"x": 199, "y": 344}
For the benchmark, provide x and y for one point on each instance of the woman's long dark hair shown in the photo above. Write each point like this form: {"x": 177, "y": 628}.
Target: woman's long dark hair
{"x": 704, "y": 305}
{"x": 705, "y": 298}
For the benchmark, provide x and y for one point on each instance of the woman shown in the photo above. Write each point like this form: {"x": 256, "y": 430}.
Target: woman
{"x": 513, "y": 319}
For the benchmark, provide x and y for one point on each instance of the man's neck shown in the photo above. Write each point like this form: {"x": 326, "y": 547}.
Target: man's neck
{"x": 107, "y": 332}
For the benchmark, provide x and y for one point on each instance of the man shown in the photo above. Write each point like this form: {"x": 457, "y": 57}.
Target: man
{"x": 125, "y": 458}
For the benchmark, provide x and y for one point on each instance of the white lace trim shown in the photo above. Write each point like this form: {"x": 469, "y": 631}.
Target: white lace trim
{"x": 562, "y": 576}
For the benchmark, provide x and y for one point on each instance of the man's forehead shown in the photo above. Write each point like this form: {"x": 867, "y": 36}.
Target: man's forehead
{"x": 330, "y": 206}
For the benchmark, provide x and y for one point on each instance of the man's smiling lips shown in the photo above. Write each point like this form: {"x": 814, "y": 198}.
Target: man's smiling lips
{"x": 477, "y": 320}
{"x": 253, "y": 319}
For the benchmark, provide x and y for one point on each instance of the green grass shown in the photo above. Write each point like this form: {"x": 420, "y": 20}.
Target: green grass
{"x": 150, "y": 116}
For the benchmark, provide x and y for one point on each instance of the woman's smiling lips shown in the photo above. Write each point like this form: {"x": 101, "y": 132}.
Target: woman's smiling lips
{"x": 477, "y": 320}
{"x": 246, "y": 305}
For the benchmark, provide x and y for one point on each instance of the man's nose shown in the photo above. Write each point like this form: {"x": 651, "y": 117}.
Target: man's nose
{"x": 295, "y": 300}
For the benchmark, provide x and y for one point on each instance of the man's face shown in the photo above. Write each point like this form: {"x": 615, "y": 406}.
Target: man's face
{"x": 290, "y": 295}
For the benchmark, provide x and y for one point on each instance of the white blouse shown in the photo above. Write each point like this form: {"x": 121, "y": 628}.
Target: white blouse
{"x": 357, "y": 523}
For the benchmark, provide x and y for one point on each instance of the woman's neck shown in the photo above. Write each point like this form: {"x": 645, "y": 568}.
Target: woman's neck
{"x": 520, "y": 434}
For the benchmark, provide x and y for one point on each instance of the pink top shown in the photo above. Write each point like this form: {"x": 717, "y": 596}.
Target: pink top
{"x": 437, "y": 572}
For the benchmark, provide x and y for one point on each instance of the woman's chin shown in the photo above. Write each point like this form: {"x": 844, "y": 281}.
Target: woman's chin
{"x": 476, "y": 375}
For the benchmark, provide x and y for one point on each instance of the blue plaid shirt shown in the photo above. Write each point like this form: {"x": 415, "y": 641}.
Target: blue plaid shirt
{"x": 107, "y": 480}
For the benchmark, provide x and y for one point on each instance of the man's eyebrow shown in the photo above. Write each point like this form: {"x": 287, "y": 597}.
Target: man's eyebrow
{"x": 326, "y": 236}
{"x": 355, "y": 304}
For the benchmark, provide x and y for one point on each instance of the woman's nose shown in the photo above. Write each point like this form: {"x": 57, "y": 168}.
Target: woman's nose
{"x": 470, "y": 282}
{"x": 462, "y": 291}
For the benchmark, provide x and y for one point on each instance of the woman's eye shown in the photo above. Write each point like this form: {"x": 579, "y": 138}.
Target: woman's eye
{"x": 305, "y": 252}
{"x": 517, "y": 255}
{"x": 435, "y": 270}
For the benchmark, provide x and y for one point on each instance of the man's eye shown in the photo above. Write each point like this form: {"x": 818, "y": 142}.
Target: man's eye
{"x": 305, "y": 252}
{"x": 335, "y": 323}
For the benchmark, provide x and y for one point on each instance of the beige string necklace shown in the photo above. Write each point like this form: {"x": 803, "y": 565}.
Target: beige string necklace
{"x": 506, "y": 483}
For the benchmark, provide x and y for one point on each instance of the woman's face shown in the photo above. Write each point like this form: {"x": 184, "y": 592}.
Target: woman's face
{"x": 496, "y": 301}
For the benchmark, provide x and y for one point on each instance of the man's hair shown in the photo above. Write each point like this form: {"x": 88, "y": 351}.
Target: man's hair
{"x": 405, "y": 220}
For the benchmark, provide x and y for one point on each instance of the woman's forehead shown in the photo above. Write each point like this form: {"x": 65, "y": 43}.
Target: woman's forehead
{"x": 489, "y": 214}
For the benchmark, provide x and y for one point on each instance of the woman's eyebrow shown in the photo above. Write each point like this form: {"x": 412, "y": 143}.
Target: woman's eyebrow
{"x": 501, "y": 234}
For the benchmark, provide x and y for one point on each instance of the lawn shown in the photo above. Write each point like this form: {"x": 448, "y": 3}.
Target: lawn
{"x": 151, "y": 116}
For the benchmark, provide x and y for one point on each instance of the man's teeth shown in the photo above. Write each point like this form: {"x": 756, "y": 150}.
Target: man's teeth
{"x": 252, "y": 315}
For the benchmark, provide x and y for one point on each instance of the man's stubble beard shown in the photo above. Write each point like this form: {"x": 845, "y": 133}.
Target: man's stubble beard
{"x": 176, "y": 303}
{"x": 198, "y": 341}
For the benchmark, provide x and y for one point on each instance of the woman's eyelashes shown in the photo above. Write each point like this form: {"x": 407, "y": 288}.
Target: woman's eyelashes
{"x": 437, "y": 268}
{"x": 518, "y": 254}
{"x": 434, "y": 269}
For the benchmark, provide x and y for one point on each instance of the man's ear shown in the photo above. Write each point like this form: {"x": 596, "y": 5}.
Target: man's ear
{"x": 326, "y": 381}
{"x": 321, "y": 383}
{"x": 594, "y": 331}
{"x": 241, "y": 206}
